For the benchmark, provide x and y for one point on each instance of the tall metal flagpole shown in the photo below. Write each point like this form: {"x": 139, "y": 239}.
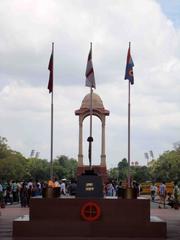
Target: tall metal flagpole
{"x": 129, "y": 129}
{"x": 129, "y": 133}
{"x": 129, "y": 76}
{"x": 51, "y": 157}
{"x": 90, "y": 138}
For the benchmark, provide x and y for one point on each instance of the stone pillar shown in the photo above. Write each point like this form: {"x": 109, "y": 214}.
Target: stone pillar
{"x": 80, "y": 154}
{"x": 103, "y": 154}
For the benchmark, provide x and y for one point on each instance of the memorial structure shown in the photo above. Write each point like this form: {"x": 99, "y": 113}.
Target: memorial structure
{"x": 89, "y": 215}
{"x": 99, "y": 111}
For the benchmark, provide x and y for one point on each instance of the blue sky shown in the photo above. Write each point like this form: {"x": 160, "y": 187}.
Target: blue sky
{"x": 172, "y": 9}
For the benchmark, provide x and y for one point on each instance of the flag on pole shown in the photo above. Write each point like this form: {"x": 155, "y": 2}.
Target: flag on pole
{"x": 90, "y": 80}
{"x": 129, "y": 68}
{"x": 50, "y": 68}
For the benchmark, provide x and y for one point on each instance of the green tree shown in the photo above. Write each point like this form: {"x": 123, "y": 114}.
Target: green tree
{"x": 37, "y": 169}
{"x": 13, "y": 166}
{"x": 114, "y": 173}
{"x": 4, "y": 148}
{"x": 65, "y": 167}
{"x": 123, "y": 169}
{"x": 140, "y": 173}
{"x": 166, "y": 167}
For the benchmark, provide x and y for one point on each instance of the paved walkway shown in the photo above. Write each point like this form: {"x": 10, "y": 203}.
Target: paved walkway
{"x": 8, "y": 214}
{"x": 171, "y": 216}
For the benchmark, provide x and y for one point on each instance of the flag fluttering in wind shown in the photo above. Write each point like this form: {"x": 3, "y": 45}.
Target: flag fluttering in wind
{"x": 90, "y": 79}
{"x": 129, "y": 68}
{"x": 50, "y": 68}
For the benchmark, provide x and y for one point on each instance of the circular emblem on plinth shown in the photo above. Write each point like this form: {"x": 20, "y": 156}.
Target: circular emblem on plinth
{"x": 90, "y": 211}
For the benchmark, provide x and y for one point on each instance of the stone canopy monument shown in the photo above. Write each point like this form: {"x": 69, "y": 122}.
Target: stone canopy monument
{"x": 91, "y": 177}
{"x": 99, "y": 111}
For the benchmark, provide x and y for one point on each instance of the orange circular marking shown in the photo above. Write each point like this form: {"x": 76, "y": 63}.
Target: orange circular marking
{"x": 90, "y": 211}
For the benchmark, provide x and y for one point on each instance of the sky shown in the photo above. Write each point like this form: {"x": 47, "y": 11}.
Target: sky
{"x": 28, "y": 28}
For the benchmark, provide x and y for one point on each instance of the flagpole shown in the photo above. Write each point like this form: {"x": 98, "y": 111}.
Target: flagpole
{"x": 129, "y": 133}
{"x": 90, "y": 138}
{"x": 129, "y": 76}
{"x": 129, "y": 128}
{"x": 90, "y": 82}
{"x": 52, "y": 113}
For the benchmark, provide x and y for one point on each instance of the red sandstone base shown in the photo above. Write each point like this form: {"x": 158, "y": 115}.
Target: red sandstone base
{"x": 64, "y": 218}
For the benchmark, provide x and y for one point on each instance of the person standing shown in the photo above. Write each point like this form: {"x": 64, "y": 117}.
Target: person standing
{"x": 56, "y": 188}
{"x": 110, "y": 189}
{"x": 176, "y": 194}
{"x": 14, "y": 191}
{"x": 162, "y": 194}
{"x": 153, "y": 190}
{"x": 120, "y": 190}
{"x": 63, "y": 188}
{"x": 73, "y": 187}
{"x": 24, "y": 195}
{"x": 1, "y": 195}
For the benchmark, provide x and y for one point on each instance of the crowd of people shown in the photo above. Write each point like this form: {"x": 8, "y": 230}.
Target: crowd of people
{"x": 160, "y": 195}
{"x": 21, "y": 192}
{"x": 113, "y": 188}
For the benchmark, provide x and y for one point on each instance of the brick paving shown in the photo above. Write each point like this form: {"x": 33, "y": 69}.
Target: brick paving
{"x": 171, "y": 216}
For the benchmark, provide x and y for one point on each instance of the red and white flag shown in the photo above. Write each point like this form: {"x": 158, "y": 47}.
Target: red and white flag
{"x": 90, "y": 80}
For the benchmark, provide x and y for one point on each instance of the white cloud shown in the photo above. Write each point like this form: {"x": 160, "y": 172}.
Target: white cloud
{"x": 27, "y": 30}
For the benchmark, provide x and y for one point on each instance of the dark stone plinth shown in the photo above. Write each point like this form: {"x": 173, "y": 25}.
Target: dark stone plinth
{"x": 62, "y": 218}
{"x": 89, "y": 185}
{"x": 98, "y": 169}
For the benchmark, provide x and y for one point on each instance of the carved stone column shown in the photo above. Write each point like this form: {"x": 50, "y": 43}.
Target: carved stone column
{"x": 99, "y": 111}
{"x": 103, "y": 150}
{"x": 80, "y": 154}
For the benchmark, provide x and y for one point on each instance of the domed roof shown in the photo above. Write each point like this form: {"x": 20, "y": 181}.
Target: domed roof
{"x": 96, "y": 101}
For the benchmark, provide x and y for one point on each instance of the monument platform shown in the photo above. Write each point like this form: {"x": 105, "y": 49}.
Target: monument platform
{"x": 70, "y": 219}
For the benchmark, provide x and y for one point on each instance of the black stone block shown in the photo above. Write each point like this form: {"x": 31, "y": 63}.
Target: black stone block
{"x": 89, "y": 185}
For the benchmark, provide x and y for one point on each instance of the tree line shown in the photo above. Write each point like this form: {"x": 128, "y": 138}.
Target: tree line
{"x": 13, "y": 165}
{"x": 165, "y": 168}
